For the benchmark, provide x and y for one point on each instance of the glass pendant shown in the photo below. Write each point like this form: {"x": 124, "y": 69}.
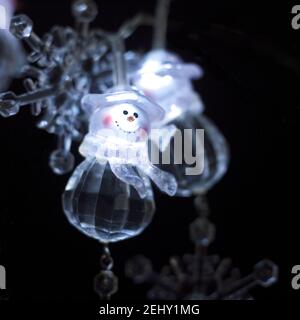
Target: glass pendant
{"x": 166, "y": 79}
{"x": 103, "y": 207}
{"x": 216, "y": 156}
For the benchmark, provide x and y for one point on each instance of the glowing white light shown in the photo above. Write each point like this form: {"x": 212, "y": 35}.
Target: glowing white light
{"x": 6, "y": 11}
{"x": 151, "y": 66}
{"x": 3, "y": 17}
{"x": 153, "y": 82}
{"x": 121, "y": 96}
{"x": 167, "y": 80}
{"x": 175, "y": 111}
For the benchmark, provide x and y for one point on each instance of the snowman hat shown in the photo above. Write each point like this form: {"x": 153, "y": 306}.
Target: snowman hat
{"x": 91, "y": 102}
{"x": 181, "y": 70}
{"x": 164, "y": 63}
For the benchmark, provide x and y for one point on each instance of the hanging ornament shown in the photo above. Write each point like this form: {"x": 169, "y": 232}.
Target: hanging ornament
{"x": 76, "y": 79}
{"x": 216, "y": 156}
{"x": 166, "y": 79}
{"x": 104, "y": 207}
{"x": 119, "y": 131}
{"x": 109, "y": 196}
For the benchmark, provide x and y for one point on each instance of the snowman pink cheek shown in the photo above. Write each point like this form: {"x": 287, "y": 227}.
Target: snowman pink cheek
{"x": 107, "y": 120}
{"x": 143, "y": 133}
{"x": 148, "y": 93}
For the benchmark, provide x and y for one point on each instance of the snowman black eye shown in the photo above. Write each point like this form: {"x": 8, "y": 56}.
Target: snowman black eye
{"x": 136, "y": 115}
{"x": 125, "y": 112}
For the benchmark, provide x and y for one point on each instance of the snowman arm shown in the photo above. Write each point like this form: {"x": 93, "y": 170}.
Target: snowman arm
{"x": 165, "y": 181}
{"x": 127, "y": 174}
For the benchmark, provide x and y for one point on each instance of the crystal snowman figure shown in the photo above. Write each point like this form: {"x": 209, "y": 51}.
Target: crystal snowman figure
{"x": 166, "y": 79}
{"x": 119, "y": 131}
{"x": 109, "y": 196}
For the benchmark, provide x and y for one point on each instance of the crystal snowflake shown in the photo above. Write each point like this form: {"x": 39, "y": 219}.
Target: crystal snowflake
{"x": 63, "y": 66}
{"x": 200, "y": 276}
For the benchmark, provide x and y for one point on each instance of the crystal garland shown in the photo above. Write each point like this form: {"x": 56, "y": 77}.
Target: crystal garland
{"x": 86, "y": 88}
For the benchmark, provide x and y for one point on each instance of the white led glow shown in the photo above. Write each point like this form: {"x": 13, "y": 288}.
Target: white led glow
{"x": 121, "y": 96}
{"x": 6, "y": 11}
{"x": 167, "y": 80}
{"x": 3, "y": 17}
{"x": 153, "y": 82}
{"x": 151, "y": 66}
{"x": 175, "y": 111}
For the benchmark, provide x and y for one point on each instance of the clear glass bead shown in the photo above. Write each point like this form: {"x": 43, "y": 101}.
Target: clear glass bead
{"x": 21, "y": 26}
{"x": 84, "y": 10}
{"x": 106, "y": 284}
{"x": 9, "y": 105}
{"x": 103, "y": 207}
{"x": 266, "y": 273}
{"x": 61, "y": 162}
{"x": 216, "y": 157}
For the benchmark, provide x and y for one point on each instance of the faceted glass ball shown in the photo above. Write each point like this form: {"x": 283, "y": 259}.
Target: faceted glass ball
{"x": 216, "y": 156}
{"x": 103, "y": 207}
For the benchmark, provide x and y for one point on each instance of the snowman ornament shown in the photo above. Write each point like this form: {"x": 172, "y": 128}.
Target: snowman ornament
{"x": 167, "y": 80}
{"x": 120, "y": 126}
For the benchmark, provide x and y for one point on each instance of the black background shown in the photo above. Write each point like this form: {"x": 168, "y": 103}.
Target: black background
{"x": 251, "y": 58}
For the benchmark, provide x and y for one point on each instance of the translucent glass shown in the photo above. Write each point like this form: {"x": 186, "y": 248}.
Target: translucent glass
{"x": 11, "y": 53}
{"x": 118, "y": 132}
{"x": 103, "y": 207}
{"x": 91, "y": 102}
{"x": 61, "y": 162}
{"x": 11, "y": 58}
{"x": 216, "y": 157}
{"x": 166, "y": 79}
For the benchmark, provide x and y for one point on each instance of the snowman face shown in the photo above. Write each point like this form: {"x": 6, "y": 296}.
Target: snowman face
{"x": 125, "y": 120}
